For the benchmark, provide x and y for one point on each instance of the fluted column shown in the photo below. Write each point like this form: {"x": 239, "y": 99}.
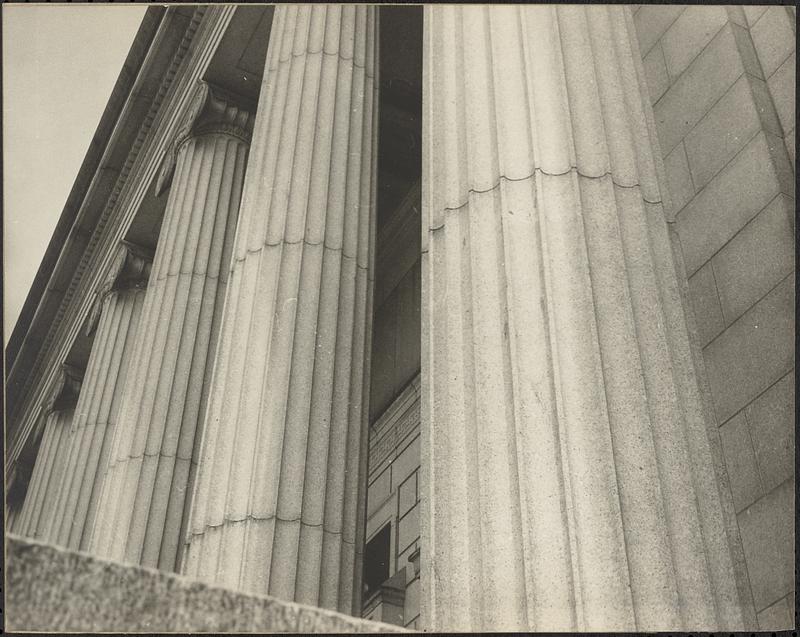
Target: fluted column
{"x": 280, "y": 493}
{"x": 37, "y": 512}
{"x": 142, "y": 508}
{"x": 568, "y": 475}
{"x": 114, "y": 321}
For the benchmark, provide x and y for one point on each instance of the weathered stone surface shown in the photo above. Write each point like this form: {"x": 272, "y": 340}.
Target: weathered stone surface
{"x": 782, "y": 88}
{"x": 722, "y": 132}
{"x": 279, "y": 504}
{"x": 679, "y": 178}
{"x": 739, "y": 455}
{"x": 656, "y": 73}
{"x": 731, "y": 199}
{"x": 652, "y": 20}
{"x": 756, "y": 259}
{"x": 779, "y": 616}
{"x": 708, "y": 76}
{"x": 687, "y": 36}
{"x": 768, "y": 537}
{"x": 563, "y": 372}
{"x": 141, "y": 512}
{"x": 52, "y": 590}
{"x": 771, "y": 419}
{"x": 773, "y": 37}
{"x": 705, "y": 303}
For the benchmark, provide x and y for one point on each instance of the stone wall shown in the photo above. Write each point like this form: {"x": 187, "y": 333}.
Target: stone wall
{"x": 52, "y": 590}
{"x": 722, "y": 85}
{"x": 393, "y": 492}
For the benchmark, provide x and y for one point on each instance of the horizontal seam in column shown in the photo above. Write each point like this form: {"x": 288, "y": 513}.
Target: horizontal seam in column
{"x": 257, "y": 518}
{"x": 540, "y": 171}
{"x": 324, "y": 52}
{"x": 150, "y": 455}
{"x": 181, "y": 272}
{"x": 294, "y": 243}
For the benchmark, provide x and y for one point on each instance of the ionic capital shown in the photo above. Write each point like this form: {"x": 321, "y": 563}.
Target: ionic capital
{"x": 130, "y": 268}
{"x": 66, "y": 390}
{"x": 211, "y": 110}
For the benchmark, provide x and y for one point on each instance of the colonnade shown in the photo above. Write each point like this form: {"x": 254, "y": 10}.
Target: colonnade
{"x": 567, "y": 477}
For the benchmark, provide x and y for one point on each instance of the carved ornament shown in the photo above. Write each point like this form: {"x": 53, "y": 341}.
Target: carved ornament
{"x": 211, "y": 110}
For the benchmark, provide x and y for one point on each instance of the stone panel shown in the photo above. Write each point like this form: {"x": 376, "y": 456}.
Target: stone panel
{"x": 741, "y": 459}
{"x": 406, "y": 462}
{"x": 759, "y": 256}
{"x": 779, "y": 616}
{"x": 705, "y": 303}
{"x": 408, "y": 528}
{"x": 773, "y": 38}
{"x": 771, "y": 419}
{"x": 656, "y": 73}
{"x": 747, "y": 184}
{"x": 767, "y": 529}
{"x": 652, "y": 20}
{"x": 378, "y": 491}
{"x": 700, "y": 85}
{"x": 722, "y": 132}
{"x": 679, "y": 178}
{"x": 754, "y": 12}
{"x": 687, "y": 36}
{"x": 52, "y": 590}
{"x": 782, "y": 88}
{"x": 752, "y": 353}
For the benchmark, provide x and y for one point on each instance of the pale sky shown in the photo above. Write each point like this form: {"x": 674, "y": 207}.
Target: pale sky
{"x": 59, "y": 66}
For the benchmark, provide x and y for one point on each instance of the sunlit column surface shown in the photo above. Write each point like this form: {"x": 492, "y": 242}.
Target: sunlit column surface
{"x": 142, "y": 509}
{"x": 568, "y": 475}
{"x": 279, "y": 504}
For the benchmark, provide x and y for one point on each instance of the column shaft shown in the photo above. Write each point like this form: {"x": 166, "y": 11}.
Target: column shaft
{"x": 37, "y": 512}
{"x": 142, "y": 509}
{"x": 279, "y": 499}
{"x": 568, "y": 473}
{"x": 114, "y": 321}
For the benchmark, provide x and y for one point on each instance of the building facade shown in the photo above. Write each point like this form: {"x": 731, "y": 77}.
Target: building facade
{"x": 459, "y": 318}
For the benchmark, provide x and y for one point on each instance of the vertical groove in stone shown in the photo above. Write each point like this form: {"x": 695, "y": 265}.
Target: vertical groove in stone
{"x": 278, "y": 503}
{"x": 39, "y": 510}
{"x": 143, "y": 505}
{"x": 571, "y": 485}
{"x": 96, "y": 414}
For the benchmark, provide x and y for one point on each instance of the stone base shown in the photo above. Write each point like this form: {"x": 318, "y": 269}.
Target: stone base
{"x": 49, "y": 589}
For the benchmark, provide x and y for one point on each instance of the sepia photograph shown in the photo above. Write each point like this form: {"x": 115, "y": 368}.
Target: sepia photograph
{"x": 344, "y": 318}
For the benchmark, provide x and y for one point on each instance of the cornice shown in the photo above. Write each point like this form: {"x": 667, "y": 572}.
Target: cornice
{"x": 211, "y": 111}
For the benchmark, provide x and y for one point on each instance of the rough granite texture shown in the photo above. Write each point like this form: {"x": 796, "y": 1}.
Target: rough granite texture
{"x": 50, "y": 589}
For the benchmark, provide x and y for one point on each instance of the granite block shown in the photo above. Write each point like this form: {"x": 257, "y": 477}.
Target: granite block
{"x": 679, "y": 178}
{"x": 753, "y": 353}
{"x": 732, "y": 198}
{"x": 687, "y": 36}
{"x": 655, "y": 71}
{"x": 767, "y": 529}
{"x": 49, "y": 589}
{"x": 759, "y": 256}
{"x": 774, "y": 38}
{"x": 722, "y": 132}
{"x": 652, "y": 20}
{"x": 782, "y": 88}
{"x": 741, "y": 461}
{"x": 705, "y": 303}
{"x": 697, "y": 89}
{"x": 771, "y": 417}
